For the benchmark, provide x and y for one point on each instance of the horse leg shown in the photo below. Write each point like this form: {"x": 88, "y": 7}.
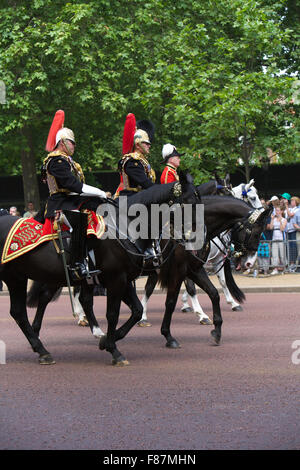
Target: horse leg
{"x": 131, "y": 299}
{"x": 191, "y": 290}
{"x": 18, "y": 292}
{"x": 202, "y": 280}
{"x": 78, "y": 310}
{"x": 229, "y": 299}
{"x": 171, "y": 300}
{"x": 149, "y": 288}
{"x": 185, "y": 308}
{"x": 86, "y": 299}
{"x": 115, "y": 292}
{"x": 46, "y": 294}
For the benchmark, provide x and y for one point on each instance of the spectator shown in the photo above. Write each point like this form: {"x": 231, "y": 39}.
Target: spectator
{"x": 296, "y": 222}
{"x": 291, "y": 231}
{"x": 264, "y": 248}
{"x": 277, "y": 225}
{"x": 14, "y": 211}
{"x": 31, "y": 212}
{"x": 275, "y": 202}
{"x": 263, "y": 255}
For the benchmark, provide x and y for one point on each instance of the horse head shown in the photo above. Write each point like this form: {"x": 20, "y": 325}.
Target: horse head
{"x": 248, "y": 193}
{"x": 246, "y": 235}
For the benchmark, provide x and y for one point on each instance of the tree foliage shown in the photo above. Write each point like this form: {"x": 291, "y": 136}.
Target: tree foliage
{"x": 215, "y": 77}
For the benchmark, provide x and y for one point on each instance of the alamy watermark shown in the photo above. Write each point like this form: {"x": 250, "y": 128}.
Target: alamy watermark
{"x": 296, "y": 353}
{"x": 160, "y": 221}
{"x": 2, "y": 92}
{"x": 2, "y": 352}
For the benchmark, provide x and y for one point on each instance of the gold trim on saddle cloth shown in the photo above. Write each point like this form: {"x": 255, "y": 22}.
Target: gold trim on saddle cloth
{"x": 27, "y": 234}
{"x": 24, "y": 235}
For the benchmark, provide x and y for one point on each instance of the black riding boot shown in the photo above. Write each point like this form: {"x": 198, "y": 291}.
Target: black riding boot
{"x": 79, "y": 268}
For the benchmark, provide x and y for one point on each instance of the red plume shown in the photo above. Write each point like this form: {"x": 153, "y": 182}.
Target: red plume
{"x": 128, "y": 134}
{"x": 57, "y": 123}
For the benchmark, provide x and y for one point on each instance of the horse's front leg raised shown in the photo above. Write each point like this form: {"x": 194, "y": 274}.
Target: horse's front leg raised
{"x": 202, "y": 280}
{"x": 171, "y": 300}
{"x": 191, "y": 290}
{"x": 131, "y": 299}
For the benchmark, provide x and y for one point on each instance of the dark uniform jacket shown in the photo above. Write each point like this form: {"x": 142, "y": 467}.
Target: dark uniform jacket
{"x": 136, "y": 174}
{"x": 65, "y": 180}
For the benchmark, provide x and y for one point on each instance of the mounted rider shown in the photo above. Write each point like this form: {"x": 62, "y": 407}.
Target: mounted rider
{"x": 135, "y": 170}
{"x": 68, "y": 192}
{"x": 171, "y": 158}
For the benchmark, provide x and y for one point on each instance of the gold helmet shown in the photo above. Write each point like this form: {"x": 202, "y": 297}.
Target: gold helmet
{"x": 144, "y": 132}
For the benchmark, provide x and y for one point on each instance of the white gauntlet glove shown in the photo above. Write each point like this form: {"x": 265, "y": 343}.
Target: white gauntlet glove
{"x": 92, "y": 191}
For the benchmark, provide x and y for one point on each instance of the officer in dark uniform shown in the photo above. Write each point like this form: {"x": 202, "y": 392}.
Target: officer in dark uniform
{"x": 135, "y": 170}
{"x": 68, "y": 191}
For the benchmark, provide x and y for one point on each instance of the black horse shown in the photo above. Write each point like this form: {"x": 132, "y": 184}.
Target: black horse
{"x": 221, "y": 213}
{"x": 120, "y": 263}
{"x": 40, "y": 294}
{"x": 215, "y": 187}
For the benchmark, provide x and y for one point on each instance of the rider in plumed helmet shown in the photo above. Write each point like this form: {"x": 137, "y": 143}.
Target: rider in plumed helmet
{"x": 68, "y": 191}
{"x": 135, "y": 170}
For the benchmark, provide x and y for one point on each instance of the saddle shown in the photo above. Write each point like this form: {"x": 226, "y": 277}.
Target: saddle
{"x": 27, "y": 234}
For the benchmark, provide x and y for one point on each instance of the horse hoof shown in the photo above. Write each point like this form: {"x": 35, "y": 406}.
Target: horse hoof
{"x": 83, "y": 323}
{"x": 205, "y": 321}
{"x": 215, "y": 337}
{"x": 120, "y": 362}
{"x": 186, "y": 310}
{"x": 143, "y": 323}
{"x": 97, "y": 332}
{"x": 46, "y": 360}
{"x": 237, "y": 309}
{"x": 173, "y": 344}
{"x": 102, "y": 343}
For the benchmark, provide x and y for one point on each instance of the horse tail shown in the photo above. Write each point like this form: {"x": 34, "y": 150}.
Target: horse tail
{"x": 164, "y": 274}
{"x": 234, "y": 289}
{"x": 38, "y": 289}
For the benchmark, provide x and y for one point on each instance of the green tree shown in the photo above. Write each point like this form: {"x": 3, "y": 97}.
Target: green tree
{"x": 208, "y": 74}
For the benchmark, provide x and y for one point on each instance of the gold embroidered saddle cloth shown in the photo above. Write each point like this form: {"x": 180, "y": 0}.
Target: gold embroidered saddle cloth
{"x": 27, "y": 234}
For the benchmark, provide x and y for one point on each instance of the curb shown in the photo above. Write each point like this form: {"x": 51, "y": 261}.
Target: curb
{"x": 249, "y": 290}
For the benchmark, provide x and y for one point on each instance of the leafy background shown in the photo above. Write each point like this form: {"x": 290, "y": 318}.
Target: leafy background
{"x": 218, "y": 78}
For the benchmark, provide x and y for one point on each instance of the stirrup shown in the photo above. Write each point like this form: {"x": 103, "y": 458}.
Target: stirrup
{"x": 80, "y": 271}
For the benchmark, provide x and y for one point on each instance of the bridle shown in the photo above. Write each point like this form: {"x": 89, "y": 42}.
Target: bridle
{"x": 246, "y": 224}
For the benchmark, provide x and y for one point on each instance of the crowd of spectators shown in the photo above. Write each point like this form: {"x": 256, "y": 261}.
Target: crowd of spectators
{"x": 279, "y": 248}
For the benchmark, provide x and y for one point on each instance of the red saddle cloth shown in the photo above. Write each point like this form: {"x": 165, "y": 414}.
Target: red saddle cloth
{"x": 27, "y": 234}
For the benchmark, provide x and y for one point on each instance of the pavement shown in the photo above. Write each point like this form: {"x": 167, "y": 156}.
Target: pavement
{"x": 286, "y": 282}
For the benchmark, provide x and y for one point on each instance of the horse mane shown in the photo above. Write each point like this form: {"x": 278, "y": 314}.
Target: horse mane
{"x": 156, "y": 194}
{"x": 221, "y": 199}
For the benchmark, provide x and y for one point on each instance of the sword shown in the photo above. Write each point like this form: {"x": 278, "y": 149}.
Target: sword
{"x": 62, "y": 252}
